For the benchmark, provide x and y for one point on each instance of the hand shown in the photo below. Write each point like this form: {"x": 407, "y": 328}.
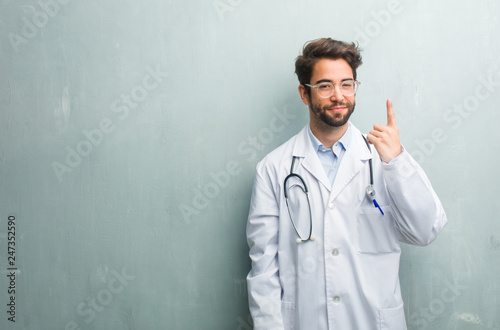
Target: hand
{"x": 386, "y": 138}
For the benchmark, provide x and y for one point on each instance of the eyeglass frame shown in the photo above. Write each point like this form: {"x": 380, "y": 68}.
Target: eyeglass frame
{"x": 356, "y": 86}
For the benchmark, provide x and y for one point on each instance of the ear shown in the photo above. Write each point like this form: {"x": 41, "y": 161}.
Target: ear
{"x": 303, "y": 94}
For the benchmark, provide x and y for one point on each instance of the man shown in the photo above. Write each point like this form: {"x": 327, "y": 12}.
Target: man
{"x": 329, "y": 210}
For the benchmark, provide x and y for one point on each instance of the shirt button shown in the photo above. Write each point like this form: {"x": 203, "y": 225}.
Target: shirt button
{"x": 331, "y": 206}
{"x": 336, "y": 299}
{"x": 335, "y": 252}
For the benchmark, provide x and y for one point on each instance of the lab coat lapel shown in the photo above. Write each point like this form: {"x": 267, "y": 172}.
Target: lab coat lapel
{"x": 354, "y": 159}
{"x": 303, "y": 148}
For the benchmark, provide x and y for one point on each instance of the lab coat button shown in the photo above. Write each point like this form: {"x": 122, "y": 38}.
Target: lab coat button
{"x": 336, "y": 299}
{"x": 331, "y": 206}
{"x": 335, "y": 252}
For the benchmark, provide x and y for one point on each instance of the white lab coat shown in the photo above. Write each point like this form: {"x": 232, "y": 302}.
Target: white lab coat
{"x": 347, "y": 278}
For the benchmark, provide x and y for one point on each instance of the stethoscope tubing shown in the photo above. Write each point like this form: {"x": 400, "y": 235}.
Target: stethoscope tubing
{"x": 370, "y": 192}
{"x": 306, "y": 191}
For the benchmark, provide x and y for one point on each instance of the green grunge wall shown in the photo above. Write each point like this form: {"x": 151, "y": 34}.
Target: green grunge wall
{"x": 130, "y": 131}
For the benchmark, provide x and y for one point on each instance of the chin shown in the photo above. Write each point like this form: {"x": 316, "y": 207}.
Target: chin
{"x": 336, "y": 121}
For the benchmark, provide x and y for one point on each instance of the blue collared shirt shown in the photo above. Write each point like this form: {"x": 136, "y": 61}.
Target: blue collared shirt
{"x": 331, "y": 158}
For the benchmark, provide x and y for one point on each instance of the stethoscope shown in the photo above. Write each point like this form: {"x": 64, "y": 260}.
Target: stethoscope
{"x": 370, "y": 192}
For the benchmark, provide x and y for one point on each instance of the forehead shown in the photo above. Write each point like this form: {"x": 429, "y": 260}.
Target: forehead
{"x": 333, "y": 70}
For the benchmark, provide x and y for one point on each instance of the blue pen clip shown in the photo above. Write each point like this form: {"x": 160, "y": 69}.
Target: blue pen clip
{"x": 370, "y": 192}
{"x": 376, "y": 205}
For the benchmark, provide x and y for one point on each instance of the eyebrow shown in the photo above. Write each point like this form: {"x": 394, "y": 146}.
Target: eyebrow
{"x": 330, "y": 81}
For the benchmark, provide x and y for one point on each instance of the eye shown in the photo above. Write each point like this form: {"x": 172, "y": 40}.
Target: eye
{"x": 348, "y": 84}
{"x": 324, "y": 86}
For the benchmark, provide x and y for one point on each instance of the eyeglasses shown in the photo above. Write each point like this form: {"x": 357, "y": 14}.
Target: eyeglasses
{"x": 326, "y": 89}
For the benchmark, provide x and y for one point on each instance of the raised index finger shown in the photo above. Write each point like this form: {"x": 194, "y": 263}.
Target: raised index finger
{"x": 391, "y": 117}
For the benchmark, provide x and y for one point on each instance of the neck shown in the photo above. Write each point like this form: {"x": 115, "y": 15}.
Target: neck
{"x": 327, "y": 134}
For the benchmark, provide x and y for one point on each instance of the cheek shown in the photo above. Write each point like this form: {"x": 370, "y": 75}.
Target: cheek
{"x": 318, "y": 105}
{"x": 320, "y": 102}
{"x": 351, "y": 100}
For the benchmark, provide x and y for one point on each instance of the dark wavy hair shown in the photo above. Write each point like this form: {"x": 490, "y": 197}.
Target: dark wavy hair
{"x": 318, "y": 49}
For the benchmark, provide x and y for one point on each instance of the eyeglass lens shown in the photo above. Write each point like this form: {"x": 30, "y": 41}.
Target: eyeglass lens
{"x": 347, "y": 88}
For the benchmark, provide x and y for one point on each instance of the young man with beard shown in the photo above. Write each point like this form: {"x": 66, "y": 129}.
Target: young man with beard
{"x": 325, "y": 248}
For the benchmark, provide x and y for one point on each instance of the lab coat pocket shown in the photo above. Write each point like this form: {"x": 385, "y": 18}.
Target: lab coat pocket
{"x": 375, "y": 231}
{"x": 392, "y": 318}
{"x": 288, "y": 315}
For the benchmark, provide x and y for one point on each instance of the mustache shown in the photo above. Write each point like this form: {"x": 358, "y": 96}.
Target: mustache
{"x": 336, "y": 104}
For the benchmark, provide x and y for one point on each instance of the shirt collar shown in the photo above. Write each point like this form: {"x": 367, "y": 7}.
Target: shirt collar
{"x": 343, "y": 141}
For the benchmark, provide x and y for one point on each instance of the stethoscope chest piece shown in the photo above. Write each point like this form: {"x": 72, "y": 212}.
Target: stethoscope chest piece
{"x": 370, "y": 192}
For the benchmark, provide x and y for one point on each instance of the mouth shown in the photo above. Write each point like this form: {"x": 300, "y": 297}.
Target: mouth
{"x": 337, "y": 109}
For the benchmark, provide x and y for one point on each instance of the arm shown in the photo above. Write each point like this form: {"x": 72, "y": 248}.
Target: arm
{"x": 418, "y": 212}
{"x": 416, "y": 208}
{"x": 264, "y": 289}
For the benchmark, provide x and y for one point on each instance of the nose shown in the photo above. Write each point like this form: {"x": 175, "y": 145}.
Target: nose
{"x": 337, "y": 94}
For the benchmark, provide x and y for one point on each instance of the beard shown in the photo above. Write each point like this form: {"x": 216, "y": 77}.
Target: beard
{"x": 333, "y": 119}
